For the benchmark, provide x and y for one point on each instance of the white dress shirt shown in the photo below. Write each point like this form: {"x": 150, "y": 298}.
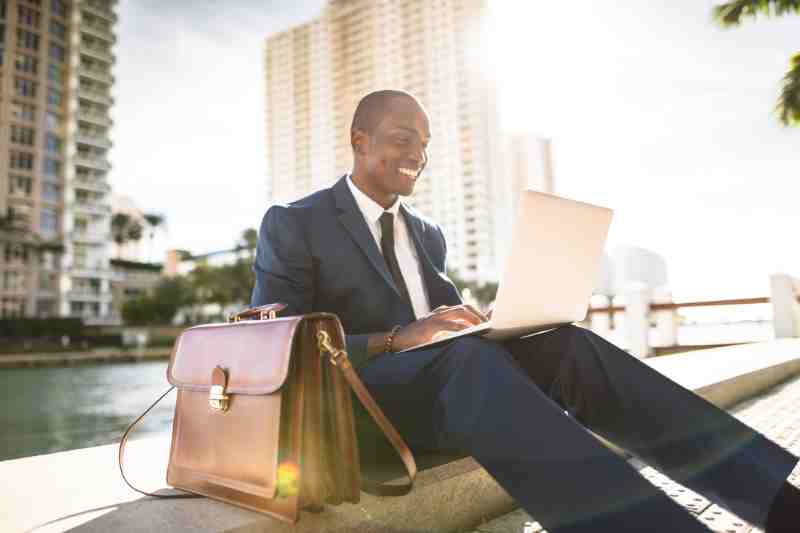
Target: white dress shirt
{"x": 404, "y": 248}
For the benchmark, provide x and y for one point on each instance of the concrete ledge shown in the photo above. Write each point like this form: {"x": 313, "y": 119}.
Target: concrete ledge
{"x": 727, "y": 376}
{"x": 80, "y": 490}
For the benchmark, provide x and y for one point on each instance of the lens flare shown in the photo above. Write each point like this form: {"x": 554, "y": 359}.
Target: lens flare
{"x": 288, "y": 479}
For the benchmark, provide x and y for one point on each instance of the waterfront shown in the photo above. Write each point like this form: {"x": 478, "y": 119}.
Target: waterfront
{"x": 61, "y": 408}
{"x": 55, "y": 408}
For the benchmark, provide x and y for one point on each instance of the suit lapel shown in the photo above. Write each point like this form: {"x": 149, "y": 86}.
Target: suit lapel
{"x": 351, "y": 218}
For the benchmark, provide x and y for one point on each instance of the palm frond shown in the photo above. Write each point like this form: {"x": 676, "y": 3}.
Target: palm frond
{"x": 733, "y": 13}
{"x": 788, "y": 107}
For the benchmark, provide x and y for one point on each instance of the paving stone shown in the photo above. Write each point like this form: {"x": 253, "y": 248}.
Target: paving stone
{"x": 775, "y": 414}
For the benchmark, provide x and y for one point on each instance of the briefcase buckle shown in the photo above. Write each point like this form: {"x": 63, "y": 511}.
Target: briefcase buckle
{"x": 217, "y": 398}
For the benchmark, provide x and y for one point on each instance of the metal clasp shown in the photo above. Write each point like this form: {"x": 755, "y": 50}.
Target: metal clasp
{"x": 324, "y": 345}
{"x": 217, "y": 398}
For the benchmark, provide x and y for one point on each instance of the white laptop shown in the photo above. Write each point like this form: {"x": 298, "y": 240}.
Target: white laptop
{"x": 551, "y": 268}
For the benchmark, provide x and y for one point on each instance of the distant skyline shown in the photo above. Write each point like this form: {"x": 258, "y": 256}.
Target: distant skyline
{"x": 653, "y": 110}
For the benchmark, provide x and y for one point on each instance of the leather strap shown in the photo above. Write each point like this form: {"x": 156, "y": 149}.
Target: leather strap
{"x": 380, "y": 489}
{"x": 121, "y": 455}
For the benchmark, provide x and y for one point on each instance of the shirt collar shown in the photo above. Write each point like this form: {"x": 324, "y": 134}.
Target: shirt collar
{"x": 371, "y": 209}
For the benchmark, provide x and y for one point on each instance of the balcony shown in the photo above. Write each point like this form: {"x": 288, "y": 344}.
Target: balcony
{"x": 88, "y": 295}
{"x": 98, "y": 119}
{"x": 97, "y": 163}
{"x": 99, "y": 32}
{"x": 89, "y": 269}
{"x": 98, "y": 74}
{"x": 92, "y": 208}
{"x": 95, "y": 96}
{"x": 91, "y": 237}
{"x": 93, "y": 140}
{"x": 92, "y": 184}
{"x": 98, "y": 9}
{"x": 96, "y": 52}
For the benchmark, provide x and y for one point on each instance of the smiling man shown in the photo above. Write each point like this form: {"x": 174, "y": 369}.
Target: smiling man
{"x": 358, "y": 251}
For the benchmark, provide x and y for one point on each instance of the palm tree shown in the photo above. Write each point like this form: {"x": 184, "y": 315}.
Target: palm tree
{"x": 153, "y": 222}
{"x": 734, "y": 12}
{"x": 134, "y": 231}
{"x": 119, "y": 224}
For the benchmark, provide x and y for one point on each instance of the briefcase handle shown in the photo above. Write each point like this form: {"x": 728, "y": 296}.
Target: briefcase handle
{"x": 262, "y": 312}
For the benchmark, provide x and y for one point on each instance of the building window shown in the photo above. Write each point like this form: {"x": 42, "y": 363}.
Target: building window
{"x": 52, "y": 167}
{"x": 22, "y": 135}
{"x": 26, "y": 39}
{"x": 53, "y": 143}
{"x": 21, "y": 160}
{"x": 58, "y": 30}
{"x": 13, "y": 281}
{"x": 25, "y": 87}
{"x": 58, "y": 7}
{"x": 27, "y": 63}
{"x": 48, "y": 221}
{"x": 23, "y": 112}
{"x": 51, "y": 192}
{"x": 55, "y": 73}
{"x": 20, "y": 185}
{"x": 53, "y": 97}
{"x": 2, "y": 9}
{"x": 27, "y": 16}
{"x": 57, "y": 52}
{"x": 53, "y": 121}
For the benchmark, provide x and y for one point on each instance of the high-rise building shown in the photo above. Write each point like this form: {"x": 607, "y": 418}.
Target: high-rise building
{"x": 317, "y": 72}
{"x": 55, "y": 82}
{"x": 530, "y": 164}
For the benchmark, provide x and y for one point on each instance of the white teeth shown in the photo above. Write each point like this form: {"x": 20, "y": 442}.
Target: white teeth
{"x": 408, "y": 172}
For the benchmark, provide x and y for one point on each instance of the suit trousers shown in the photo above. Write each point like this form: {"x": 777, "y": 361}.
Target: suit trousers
{"x": 522, "y": 409}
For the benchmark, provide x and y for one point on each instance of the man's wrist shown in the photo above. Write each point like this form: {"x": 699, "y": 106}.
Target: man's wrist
{"x": 388, "y": 345}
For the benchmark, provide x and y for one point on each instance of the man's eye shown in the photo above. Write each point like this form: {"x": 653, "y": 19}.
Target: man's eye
{"x": 402, "y": 140}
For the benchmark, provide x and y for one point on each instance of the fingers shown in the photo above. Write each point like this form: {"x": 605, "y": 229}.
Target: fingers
{"x": 460, "y": 312}
{"x": 481, "y": 316}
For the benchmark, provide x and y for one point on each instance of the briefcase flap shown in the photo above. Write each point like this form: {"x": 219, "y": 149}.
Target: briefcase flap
{"x": 254, "y": 353}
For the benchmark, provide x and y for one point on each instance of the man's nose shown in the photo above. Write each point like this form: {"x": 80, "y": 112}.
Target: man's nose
{"x": 419, "y": 156}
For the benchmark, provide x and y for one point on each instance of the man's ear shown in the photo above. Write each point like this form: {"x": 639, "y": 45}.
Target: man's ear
{"x": 359, "y": 140}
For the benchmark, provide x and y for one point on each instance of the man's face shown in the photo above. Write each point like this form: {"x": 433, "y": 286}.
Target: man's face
{"x": 396, "y": 150}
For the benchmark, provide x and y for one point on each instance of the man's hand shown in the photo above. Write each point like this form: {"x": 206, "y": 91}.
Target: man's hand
{"x": 441, "y": 319}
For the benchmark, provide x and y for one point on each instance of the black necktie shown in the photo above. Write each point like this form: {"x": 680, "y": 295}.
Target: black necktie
{"x": 387, "y": 247}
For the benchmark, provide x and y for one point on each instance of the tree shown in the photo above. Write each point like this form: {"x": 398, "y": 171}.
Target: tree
{"x": 119, "y": 223}
{"x": 484, "y": 293}
{"x": 125, "y": 228}
{"x": 153, "y": 222}
{"x": 160, "y": 305}
{"x": 248, "y": 241}
{"x": 733, "y": 13}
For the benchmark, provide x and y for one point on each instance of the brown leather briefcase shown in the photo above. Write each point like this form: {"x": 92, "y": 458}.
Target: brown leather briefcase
{"x": 263, "y": 417}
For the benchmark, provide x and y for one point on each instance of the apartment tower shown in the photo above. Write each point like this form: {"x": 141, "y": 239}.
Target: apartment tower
{"x": 317, "y": 72}
{"x": 55, "y": 82}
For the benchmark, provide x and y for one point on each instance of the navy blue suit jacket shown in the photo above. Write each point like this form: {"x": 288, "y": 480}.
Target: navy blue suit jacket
{"x": 317, "y": 254}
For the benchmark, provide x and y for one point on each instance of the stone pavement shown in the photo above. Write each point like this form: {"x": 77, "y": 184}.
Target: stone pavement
{"x": 774, "y": 413}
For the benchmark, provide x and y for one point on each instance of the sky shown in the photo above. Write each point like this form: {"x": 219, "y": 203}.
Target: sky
{"x": 653, "y": 110}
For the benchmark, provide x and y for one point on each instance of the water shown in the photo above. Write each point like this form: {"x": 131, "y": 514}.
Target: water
{"x": 51, "y": 409}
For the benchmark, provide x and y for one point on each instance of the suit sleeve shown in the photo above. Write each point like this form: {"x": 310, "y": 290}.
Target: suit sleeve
{"x": 283, "y": 266}
{"x": 284, "y": 272}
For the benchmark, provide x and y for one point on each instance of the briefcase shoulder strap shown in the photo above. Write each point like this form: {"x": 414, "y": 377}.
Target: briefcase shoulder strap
{"x": 339, "y": 358}
{"x": 121, "y": 454}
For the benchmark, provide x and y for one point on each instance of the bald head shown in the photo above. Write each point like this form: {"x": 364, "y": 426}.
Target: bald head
{"x": 374, "y": 106}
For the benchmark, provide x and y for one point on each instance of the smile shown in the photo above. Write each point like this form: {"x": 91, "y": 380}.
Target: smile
{"x": 408, "y": 172}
